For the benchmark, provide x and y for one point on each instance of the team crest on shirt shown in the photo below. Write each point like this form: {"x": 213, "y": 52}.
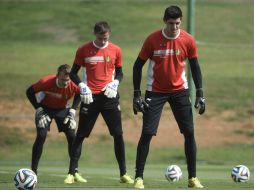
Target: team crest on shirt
{"x": 107, "y": 58}
{"x": 177, "y": 52}
{"x": 66, "y": 97}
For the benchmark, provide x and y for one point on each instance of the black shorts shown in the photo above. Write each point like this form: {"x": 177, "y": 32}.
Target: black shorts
{"x": 58, "y": 115}
{"x": 181, "y": 107}
{"x": 110, "y": 111}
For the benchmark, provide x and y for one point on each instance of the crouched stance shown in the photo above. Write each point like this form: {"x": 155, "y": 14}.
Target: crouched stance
{"x": 53, "y": 93}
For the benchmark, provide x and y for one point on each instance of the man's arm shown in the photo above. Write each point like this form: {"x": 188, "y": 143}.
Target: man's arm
{"x": 139, "y": 104}
{"x": 70, "y": 117}
{"x": 196, "y": 73}
{"x": 197, "y": 78}
{"x": 85, "y": 92}
{"x": 119, "y": 74}
{"x": 30, "y": 93}
{"x": 137, "y": 73}
{"x": 41, "y": 117}
{"x": 76, "y": 101}
{"x": 74, "y": 74}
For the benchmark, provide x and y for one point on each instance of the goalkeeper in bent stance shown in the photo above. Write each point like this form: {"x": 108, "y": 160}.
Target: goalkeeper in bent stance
{"x": 54, "y": 92}
{"x": 101, "y": 61}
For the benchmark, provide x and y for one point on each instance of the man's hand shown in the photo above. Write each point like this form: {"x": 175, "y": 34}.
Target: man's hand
{"x": 139, "y": 104}
{"x": 111, "y": 89}
{"x": 85, "y": 93}
{"x": 70, "y": 119}
{"x": 41, "y": 117}
{"x": 200, "y": 101}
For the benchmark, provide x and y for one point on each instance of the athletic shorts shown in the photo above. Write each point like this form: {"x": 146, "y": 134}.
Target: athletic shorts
{"x": 180, "y": 105}
{"x": 110, "y": 111}
{"x": 58, "y": 115}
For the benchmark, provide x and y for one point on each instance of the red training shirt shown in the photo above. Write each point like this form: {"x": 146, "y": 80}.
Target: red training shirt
{"x": 166, "y": 72}
{"x": 55, "y": 97}
{"x": 98, "y": 64}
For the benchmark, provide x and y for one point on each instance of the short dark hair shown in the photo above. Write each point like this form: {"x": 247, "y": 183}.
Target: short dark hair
{"x": 101, "y": 27}
{"x": 172, "y": 12}
{"x": 64, "y": 68}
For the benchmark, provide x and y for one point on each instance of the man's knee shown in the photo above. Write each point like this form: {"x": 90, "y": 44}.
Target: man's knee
{"x": 42, "y": 134}
{"x": 188, "y": 132}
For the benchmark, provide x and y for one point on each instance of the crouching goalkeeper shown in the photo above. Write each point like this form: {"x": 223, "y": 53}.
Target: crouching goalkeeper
{"x": 52, "y": 103}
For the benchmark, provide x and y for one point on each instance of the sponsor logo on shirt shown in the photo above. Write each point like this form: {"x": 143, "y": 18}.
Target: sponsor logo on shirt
{"x": 94, "y": 59}
{"x": 166, "y": 52}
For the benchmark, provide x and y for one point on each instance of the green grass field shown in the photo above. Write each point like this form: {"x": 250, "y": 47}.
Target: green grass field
{"x": 38, "y": 35}
{"x": 106, "y": 177}
{"x": 214, "y": 166}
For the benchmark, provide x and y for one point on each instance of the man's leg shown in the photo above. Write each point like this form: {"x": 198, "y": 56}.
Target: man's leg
{"x": 182, "y": 110}
{"x": 111, "y": 113}
{"x": 73, "y": 175}
{"x": 86, "y": 122}
{"x": 190, "y": 152}
{"x": 70, "y": 136}
{"x": 38, "y": 147}
{"x": 119, "y": 149}
{"x": 151, "y": 120}
{"x": 142, "y": 153}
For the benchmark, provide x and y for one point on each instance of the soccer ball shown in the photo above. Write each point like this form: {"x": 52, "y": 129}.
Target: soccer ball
{"x": 173, "y": 173}
{"x": 240, "y": 173}
{"x": 25, "y": 179}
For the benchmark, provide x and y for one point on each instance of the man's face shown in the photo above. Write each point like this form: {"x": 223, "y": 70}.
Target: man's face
{"x": 63, "y": 79}
{"x": 173, "y": 26}
{"x": 101, "y": 39}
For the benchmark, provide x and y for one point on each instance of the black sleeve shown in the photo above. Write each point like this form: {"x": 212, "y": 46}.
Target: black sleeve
{"x": 30, "y": 93}
{"x": 119, "y": 74}
{"x": 76, "y": 101}
{"x": 196, "y": 73}
{"x": 74, "y": 74}
{"x": 137, "y": 73}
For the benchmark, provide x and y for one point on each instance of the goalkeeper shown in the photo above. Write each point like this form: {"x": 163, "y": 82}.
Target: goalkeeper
{"x": 167, "y": 49}
{"x": 101, "y": 62}
{"x": 49, "y": 96}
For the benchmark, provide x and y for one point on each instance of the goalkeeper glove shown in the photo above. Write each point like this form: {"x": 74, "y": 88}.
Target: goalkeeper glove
{"x": 85, "y": 93}
{"x": 111, "y": 89}
{"x": 70, "y": 119}
{"x": 200, "y": 101}
{"x": 139, "y": 104}
{"x": 42, "y": 118}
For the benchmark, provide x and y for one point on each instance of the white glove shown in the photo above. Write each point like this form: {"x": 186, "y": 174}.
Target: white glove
{"x": 70, "y": 119}
{"x": 42, "y": 118}
{"x": 111, "y": 89}
{"x": 85, "y": 93}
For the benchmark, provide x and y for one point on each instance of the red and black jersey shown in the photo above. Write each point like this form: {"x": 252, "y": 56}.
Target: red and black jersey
{"x": 55, "y": 97}
{"x": 166, "y": 71}
{"x": 98, "y": 64}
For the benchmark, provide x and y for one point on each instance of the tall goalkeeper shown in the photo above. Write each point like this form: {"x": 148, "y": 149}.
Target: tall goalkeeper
{"x": 167, "y": 49}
